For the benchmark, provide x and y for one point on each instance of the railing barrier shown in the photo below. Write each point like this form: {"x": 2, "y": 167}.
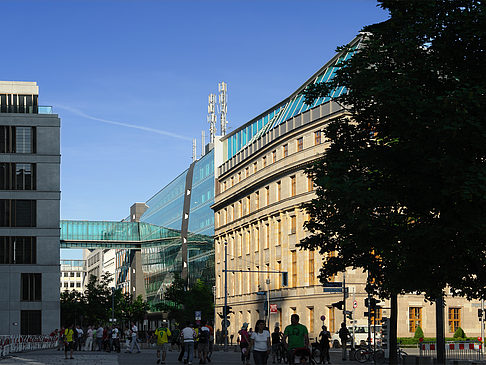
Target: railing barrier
{"x": 454, "y": 350}
{"x": 17, "y": 343}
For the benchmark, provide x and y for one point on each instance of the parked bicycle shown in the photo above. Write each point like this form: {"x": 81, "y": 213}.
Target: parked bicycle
{"x": 365, "y": 354}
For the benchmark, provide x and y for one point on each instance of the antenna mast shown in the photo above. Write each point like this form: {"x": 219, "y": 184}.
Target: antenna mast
{"x": 223, "y": 107}
{"x": 212, "y": 117}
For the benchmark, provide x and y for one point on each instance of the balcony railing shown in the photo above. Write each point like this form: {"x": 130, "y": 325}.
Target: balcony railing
{"x": 26, "y": 109}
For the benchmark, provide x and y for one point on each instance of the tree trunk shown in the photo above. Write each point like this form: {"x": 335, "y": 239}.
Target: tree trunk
{"x": 393, "y": 329}
{"x": 439, "y": 325}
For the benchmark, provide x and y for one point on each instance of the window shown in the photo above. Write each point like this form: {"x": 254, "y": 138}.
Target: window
{"x": 293, "y": 187}
{"x": 279, "y": 232}
{"x": 78, "y": 285}
{"x": 239, "y": 176}
{"x": 279, "y": 281}
{"x": 274, "y": 156}
{"x": 257, "y": 200}
{"x": 248, "y": 201}
{"x": 267, "y": 235}
{"x": 257, "y": 239}
{"x": 18, "y": 250}
{"x": 66, "y": 274}
{"x": 30, "y": 322}
{"x": 248, "y": 242}
{"x": 293, "y": 224}
{"x": 224, "y": 186}
{"x": 310, "y": 184}
{"x": 240, "y": 244}
{"x": 232, "y": 181}
{"x": 71, "y": 285}
{"x": 66, "y": 285}
{"x": 279, "y": 191}
{"x": 300, "y": 144}
{"x": 415, "y": 317}
{"x": 267, "y": 195}
{"x": 240, "y": 205}
{"x": 332, "y": 327}
{"x": 30, "y": 287}
{"x": 264, "y": 161}
{"x": 17, "y": 213}
{"x": 285, "y": 150}
{"x": 311, "y": 268}
{"x": 317, "y": 137}
{"x": 17, "y": 139}
{"x": 255, "y": 167}
{"x": 247, "y": 172}
{"x": 454, "y": 319}
{"x": 17, "y": 176}
{"x": 78, "y": 274}
{"x": 311, "y": 319}
{"x": 71, "y": 274}
{"x": 294, "y": 268}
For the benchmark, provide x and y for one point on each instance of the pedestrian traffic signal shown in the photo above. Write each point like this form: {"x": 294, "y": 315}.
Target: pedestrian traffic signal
{"x": 349, "y": 314}
{"x": 339, "y": 305}
{"x": 480, "y": 313}
{"x": 371, "y": 302}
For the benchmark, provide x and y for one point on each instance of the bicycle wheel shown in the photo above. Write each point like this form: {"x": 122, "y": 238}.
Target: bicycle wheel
{"x": 401, "y": 355}
{"x": 362, "y": 355}
{"x": 379, "y": 356}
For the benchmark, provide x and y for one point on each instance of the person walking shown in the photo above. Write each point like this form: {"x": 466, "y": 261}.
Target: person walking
{"x": 115, "y": 338}
{"x": 260, "y": 343}
{"x": 134, "y": 343}
{"x": 296, "y": 338}
{"x": 324, "y": 338}
{"x": 162, "y": 333}
{"x": 89, "y": 339}
{"x": 343, "y": 336}
{"x": 203, "y": 343}
{"x": 244, "y": 338}
{"x": 99, "y": 337}
{"x": 188, "y": 335}
{"x": 276, "y": 342}
{"x": 79, "y": 338}
{"x": 69, "y": 341}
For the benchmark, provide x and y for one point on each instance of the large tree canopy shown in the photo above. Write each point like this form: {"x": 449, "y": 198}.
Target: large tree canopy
{"x": 401, "y": 190}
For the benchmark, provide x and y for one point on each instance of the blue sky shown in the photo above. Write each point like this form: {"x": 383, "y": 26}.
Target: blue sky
{"x": 152, "y": 64}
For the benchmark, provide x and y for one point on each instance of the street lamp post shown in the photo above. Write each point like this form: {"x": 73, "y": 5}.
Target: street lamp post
{"x": 225, "y": 308}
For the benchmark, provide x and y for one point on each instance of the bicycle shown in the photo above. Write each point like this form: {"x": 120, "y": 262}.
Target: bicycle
{"x": 304, "y": 356}
{"x": 365, "y": 354}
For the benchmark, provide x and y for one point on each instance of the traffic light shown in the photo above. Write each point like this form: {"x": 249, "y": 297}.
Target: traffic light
{"x": 367, "y": 302}
{"x": 385, "y": 334}
{"x": 285, "y": 279}
{"x": 228, "y": 310}
{"x": 339, "y": 305}
{"x": 371, "y": 302}
{"x": 349, "y": 314}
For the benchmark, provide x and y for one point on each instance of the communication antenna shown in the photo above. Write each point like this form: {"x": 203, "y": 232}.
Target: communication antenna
{"x": 212, "y": 117}
{"x": 203, "y": 142}
{"x": 194, "y": 149}
{"x": 223, "y": 107}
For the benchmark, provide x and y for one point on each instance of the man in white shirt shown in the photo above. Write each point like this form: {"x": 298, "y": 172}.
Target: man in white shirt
{"x": 188, "y": 336}
{"x": 89, "y": 339}
{"x": 134, "y": 339}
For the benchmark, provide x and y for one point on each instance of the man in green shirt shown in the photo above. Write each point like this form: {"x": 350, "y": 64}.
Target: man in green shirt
{"x": 163, "y": 334}
{"x": 295, "y": 337}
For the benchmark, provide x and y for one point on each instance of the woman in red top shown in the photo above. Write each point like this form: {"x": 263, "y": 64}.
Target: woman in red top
{"x": 244, "y": 343}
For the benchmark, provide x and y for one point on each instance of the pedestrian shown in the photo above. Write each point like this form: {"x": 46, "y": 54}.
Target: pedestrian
{"x": 99, "y": 337}
{"x": 175, "y": 338}
{"x": 134, "y": 343}
{"x": 162, "y": 333}
{"x": 60, "y": 344}
{"x": 89, "y": 339}
{"x": 115, "y": 338}
{"x": 188, "y": 335}
{"x": 344, "y": 336}
{"x": 127, "y": 335}
{"x": 324, "y": 338}
{"x": 298, "y": 338}
{"x": 69, "y": 341}
{"x": 79, "y": 338}
{"x": 210, "y": 325}
{"x": 276, "y": 342}
{"x": 203, "y": 343}
{"x": 244, "y": 338}
{"x": 260, "y": 343}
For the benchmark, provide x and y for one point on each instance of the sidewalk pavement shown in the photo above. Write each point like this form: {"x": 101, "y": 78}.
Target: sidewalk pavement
{"x": 147, "y": 356}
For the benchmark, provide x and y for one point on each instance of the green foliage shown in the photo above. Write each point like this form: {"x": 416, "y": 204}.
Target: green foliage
{"x": 181, "y": 303}
{"x": 401, "y": 189}
{"x": 94, "y": 306}
{"x": 418, "y": 333}
{"x": 459, "y": 333}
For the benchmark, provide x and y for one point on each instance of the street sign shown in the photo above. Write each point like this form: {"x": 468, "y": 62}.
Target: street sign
{"x": 355, "y": 304}
{"x": 323, "y": 318}
{"x": 227, "y": 323}
{"x": 334, "y": 284}
{"x": 197, "y": 314}
{"x": 273, "y": 308}
{"x": 332, "y": 290}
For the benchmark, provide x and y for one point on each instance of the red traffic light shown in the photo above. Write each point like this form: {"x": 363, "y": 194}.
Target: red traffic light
{"x": 480, "y": 339}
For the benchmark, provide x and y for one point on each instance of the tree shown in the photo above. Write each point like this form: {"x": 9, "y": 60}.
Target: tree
{"x": 401, "y": 190}
{"x": 98, "y": 298}
{"x": 418, "y": 333}
{"x": 459, "y": 333}
{"x": 73, "y": 308}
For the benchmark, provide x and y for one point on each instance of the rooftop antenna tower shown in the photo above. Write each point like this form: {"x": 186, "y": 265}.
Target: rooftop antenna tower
{"x": 212, "y": 117}
{"x": 223, "y": 106}
{"x": 203, "y": 142}
{"x": 194, "y": 149}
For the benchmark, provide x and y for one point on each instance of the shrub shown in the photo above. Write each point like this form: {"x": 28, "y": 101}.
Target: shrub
{"x": 459, "y": 333}
{"x": 418, "y": 333}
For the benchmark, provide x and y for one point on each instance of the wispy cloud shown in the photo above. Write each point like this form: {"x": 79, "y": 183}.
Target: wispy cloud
{"x": 123, "y": 124}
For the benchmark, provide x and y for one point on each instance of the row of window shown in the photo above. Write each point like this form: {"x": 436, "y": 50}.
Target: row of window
{"x": 453, "y": 318}
{"x": 18, "y": 250}
{"x": 17, "y": 213}
{"x": 17, "y": 176}
{"x": 71, "y": 285}
{"x": 17, "y": 139}
{"x": 272, "y": 157}
{"x": 252, "y": 202}
{"x": 71, "y": 274}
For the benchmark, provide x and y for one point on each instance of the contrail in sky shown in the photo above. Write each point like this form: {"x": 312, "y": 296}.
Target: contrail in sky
{"x": 128, "y": 125}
